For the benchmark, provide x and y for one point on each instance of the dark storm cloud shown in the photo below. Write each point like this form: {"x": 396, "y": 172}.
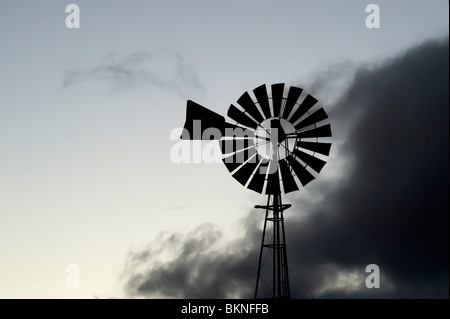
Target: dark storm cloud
{"x": 196, "y": 268}
{"x": 169, "y": 71}
{"x": 390, "y": 209}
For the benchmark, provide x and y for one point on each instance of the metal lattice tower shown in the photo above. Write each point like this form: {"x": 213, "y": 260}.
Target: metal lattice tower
{"x": 275, "y": 246}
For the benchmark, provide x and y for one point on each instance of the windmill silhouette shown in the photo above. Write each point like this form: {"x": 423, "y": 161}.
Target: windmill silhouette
{"x": 273, "y": 143}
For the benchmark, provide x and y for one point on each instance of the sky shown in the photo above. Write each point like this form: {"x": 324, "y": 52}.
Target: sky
{"x": 86, "y": 177}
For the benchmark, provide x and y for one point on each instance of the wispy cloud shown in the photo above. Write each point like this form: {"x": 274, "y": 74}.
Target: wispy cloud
{"x": 165, "y": 70}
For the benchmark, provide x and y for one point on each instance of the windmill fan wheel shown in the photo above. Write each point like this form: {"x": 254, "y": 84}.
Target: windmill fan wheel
{"x": 276, "y": 140}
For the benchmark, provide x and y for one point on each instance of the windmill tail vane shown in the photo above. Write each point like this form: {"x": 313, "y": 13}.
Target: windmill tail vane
{"x": 272, "y": 146}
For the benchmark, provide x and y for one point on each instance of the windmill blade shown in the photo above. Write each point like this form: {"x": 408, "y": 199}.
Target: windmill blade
{"x": 273, "y": 183}
{"x": 240, "y": 156}
{"x": 249, "y": 106}
{"x": 238, "y": 150}
{"x": 228, "y": 146}
{"x": 293, "y": 95}
{"x": 313, "y": 162}
{"x": 307, "y": 103}
{"x": 277, "y": 98}
{"x": 231, "y": 163}
{"x": 289, "y": 183}
{"x": 321, "y": 131}
{"x": 240, "y": 117}
{"x": 321, "y": 148}
{"x": 317, "y": 116}
{"x": 263, "y": 100}
{"x": 257, "y": 182}
{"x": 243, "y": 174}
{"x": 302, "y": 173}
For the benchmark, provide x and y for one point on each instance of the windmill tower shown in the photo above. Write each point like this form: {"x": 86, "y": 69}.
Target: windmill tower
{"x": 272, "y": 146}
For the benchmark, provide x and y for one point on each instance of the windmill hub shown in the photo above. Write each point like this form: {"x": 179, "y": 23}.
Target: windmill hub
{"x": 272, "y": 137}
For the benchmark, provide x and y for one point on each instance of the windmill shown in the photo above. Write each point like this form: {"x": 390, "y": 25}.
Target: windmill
{"x": 272, "y": 148}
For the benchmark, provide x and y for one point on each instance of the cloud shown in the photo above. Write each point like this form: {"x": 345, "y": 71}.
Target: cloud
{"x": 390, "y": 205}
{"x": 168, "y": 71}
{"x": 192, "y": 265}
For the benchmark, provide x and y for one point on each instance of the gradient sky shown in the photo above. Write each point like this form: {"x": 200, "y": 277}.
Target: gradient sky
{"x": 86, "y": 115}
